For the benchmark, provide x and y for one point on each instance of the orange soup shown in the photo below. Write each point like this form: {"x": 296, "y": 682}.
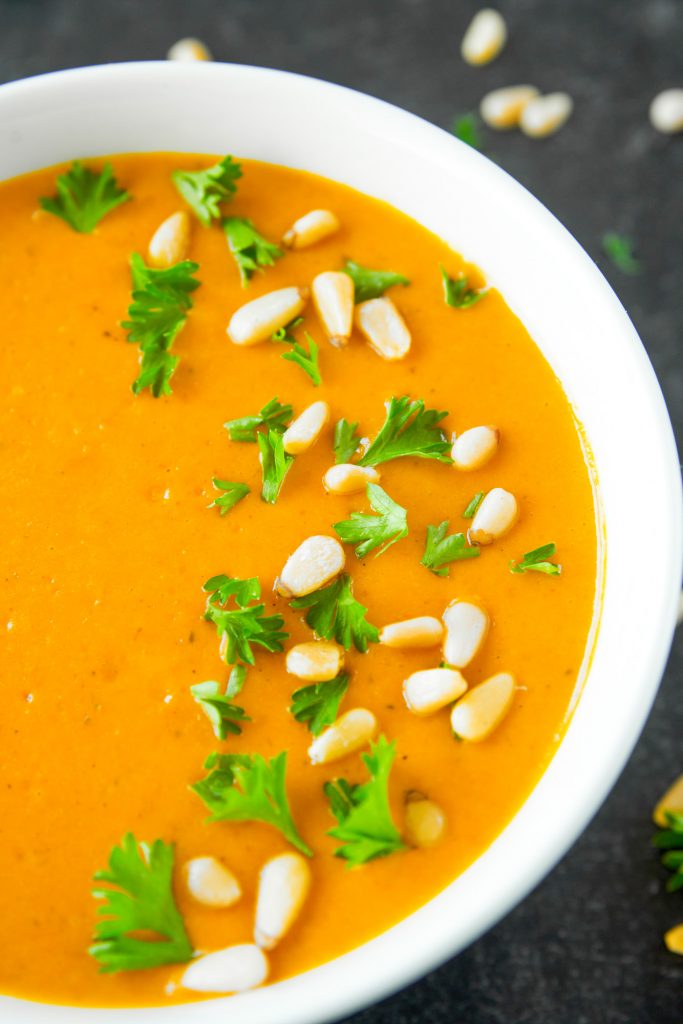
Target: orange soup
{"x": 120, "y": 506}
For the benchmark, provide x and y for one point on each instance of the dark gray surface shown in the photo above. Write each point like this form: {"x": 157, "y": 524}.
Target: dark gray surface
{"x": 586, "y": 947}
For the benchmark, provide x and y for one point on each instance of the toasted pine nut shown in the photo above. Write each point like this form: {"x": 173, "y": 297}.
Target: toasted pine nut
{"x": 503, "y": 108}
{"x": 333, "y": 298}
{"x": 235, "y": 969}
{"x": 315, "y": 562}
{"x": 310, "y": 228}
{"x": 466, "y": 627}
{"x": 485, "y": 37}
{"x": 170, "y": 241}
{"x": 671, "y": 801}
{"x": 304, "y": 431}
{"x": 211, "y": 883}
{"x": 189, "y": 49}
{"x": 474, "y": 447}
{"x": 347, "y": 478}
{"x": 431, "y": 689}
{"x": 545, "y": 115}
{"x": 666, "y": 111}
{"x": 674, "y": 940}
{"x": 423, "y": 631}
{"x": 383, "y": 327}
{"x": 424, "y": 822}
{"x": 258, "y": 319}
{"x": 494, "y": 517}
{"x": 316, "y": 661}
{"x": 480, "y": 711}
{"x": 282, "y": 889}
{"x": 350, "y": 732}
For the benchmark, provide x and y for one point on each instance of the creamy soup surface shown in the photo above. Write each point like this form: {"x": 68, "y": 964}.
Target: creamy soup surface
{"x": 107, "y": 540}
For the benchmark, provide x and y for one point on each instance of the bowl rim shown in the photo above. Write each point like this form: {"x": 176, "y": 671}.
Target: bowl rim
{"x": 324, "y": 993}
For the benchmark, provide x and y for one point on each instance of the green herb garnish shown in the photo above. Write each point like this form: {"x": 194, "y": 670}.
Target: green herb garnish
{"x": 380, "y": 531}
{"x": 671, "y": 840}
{"x": 619, "y": 249}
{"x": 466, "y": 128}
{"x": 457, "y": 291}
{"x": 226, "y": 718}
{"x": 333, "y": 612}
{"x": 370, "y": 284}
{"x": 251, "y": 250}
{"x": 409, "y": 429}
{"x": 537, "y": 561}
{"x": 232, "y": 494}
{"x": 241, "y": 627}
{"x": 275, "y": 464}
{"x": 306, "y": 359}
{"x": 473, "y": 505}
{"x": 84, "y": 197}
{"x": 318, "y": 704}
{"x": 205, "y": 190}
{"x": 273, "y": 416}
{"x": 440, "y": 549}
{"x": 346, "y": 441}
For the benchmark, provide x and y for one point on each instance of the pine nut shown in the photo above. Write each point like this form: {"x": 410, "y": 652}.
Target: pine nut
{"x": 211, "y": 883}
{"x": 671, "y": 801}
{"x": 258, "y": 319}
{"x": 494, "y": 517}
{"x": 480, "y": 711}
{"x": 545, "y": 115}
{"x": 315, "y": 562}
{"x": 347, "y": 478}
{"x": 282, "y": 890}
{"x": 466, "y": 627}
{"x": 431, "y": 689}
{"x": 170, "y": 241}
{"x": 189, "y": 49}
{"x": 674, "y": 940}
{"x": 485, "y": 37}
{"x": 423, "y": 631}
{"x": 333, "y": 298}
{"x": 235, "y": 969}
{"x": 424, "y": 822}
{"x": 383, "y": 327}
{"x": 305, "y": 430}
{"x": 310, "y": 228}
{"x": 503, "y": 108}
{"x": 474, "y": 447}
{"x": 350, "y": 732}
{"x": 666, "y": 111}
{"x": 315, "y": 662}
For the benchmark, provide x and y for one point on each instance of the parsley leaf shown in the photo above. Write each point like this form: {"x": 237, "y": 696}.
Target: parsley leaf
{"x": 275, "y": 464}
{"x": 440, "y": 549}
{"x": 457, "y": 292}
{"x": 84, "y": 197}
{"x": 239, "y": 628}
{"x": 346, "y": 441}
{"x": 232, "y": 494}
{"x": 141, "y": 902}
{"x": 251, "y": 250}
{"x": 225, "y": 717}
{"x": 334, "y": 612}
{"x": 318, "y": 704}
{"x": 366, "y": 827}
{"x": 466, "y": 128}
{"x": 380, "y": 531}
{"x": 537, "y": 561}
{"x": 473, "y": 505}
{"x": 370, "y": 284}
{"x": 306, "y": 359}
{"x": 671, "y": 840}
{"x": 205, "y": 190}
{"x": 409, "y": 429}
{"x": 620, "y": 251}
{"x": 161, "y": 299}
{"x": 273, "y": 415}
{"x": 246, "y": 787}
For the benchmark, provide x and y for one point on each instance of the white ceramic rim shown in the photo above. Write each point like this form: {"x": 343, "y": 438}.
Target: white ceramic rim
{"x": 606, "y": 374}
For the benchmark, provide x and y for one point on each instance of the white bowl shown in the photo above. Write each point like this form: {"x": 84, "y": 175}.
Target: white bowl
{"x": 583, "y": 331}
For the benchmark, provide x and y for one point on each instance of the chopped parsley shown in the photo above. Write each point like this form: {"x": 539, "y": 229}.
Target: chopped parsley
{"x": 226, "y": 718}
{"x": 346, "y": 441}
{"x": 466, "y": 128}
{"x": 246, "y": 787}
{"x": 251, "y": 250}
{"x": 275, "y": 464}
{"x": 409, "y": 429}
{"x": 537, "y": 561}
{"x": 161, "y": 299}
{"x": 370, "y": 284}
{"x": 671, "y": 840}
{"x": 84, "y": 197}
{"x": 365, "y": 825}
{"x": 473, "y": 505}
{"x": 307, "y": 359}
{"x": 142, "y": 902}
{"x": 318, "y": 704}
{"x": 457, "y": 292}
{"x": 205, "y": 190}
{"x": 274, "y": 416}
{"x": 333, "y": 612}
{"x": 619, "y": 249}
{"x": 241, "y": 627}
{"x": 441, "y": 549}
{"x": 379, "y": 531}
{"x": 232, "y": 494}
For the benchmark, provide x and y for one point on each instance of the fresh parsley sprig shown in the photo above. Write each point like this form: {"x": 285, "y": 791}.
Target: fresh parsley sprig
{"x": 275, "y": 464}
{"x": 251, "y": 250}
{"x": 226, "y": 718}
{"x": 246, "y": 787}
{"x": 307, "y": 359}
{"x": 232, "y": 494}
{"x": 333, "y": 612}
{"x": 205, "y": 190}
{"x": 619, "y": 249}
{"x": 365, "y": 826}
{"x": 240, "y": 628}
{"x": 141, "y": 902}
{"x": 409, "y": 429}
{"x": 318, "y": 704}
{"x": 473, "y": 505}
{"x": 370, "y": 284}
{"x": 671, "y": 840}
{"x": 273, "y": 416}
{"x": 84, "y": 197}
{"x": 441, "y": 550}
{"x": 378, "y": 531}
{"x": 537, "y": 561}
{"x": 466, "y": 128}
{"x": 346, "y": 441}
{"x": 457, "y": 292}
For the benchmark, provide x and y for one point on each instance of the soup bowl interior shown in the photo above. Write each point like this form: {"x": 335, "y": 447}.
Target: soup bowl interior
{"x": 583, "y": 331}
